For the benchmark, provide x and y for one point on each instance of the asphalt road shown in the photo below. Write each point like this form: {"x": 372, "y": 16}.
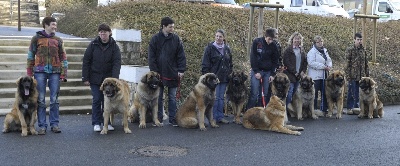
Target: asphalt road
{"x": 326, "y": 141}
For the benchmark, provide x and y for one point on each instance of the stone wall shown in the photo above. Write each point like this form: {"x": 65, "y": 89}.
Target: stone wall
{"x": 130, "y": 52}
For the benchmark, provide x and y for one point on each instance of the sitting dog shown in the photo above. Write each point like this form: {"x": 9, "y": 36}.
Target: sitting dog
{"x": 334, "y": 92}
{"x": 369, "y": 101}
{"x": 145, "y": 100}
{"x": 24, "y": 111}
{"x": 237, "y": 94}
{"x": 116, "y": 100}
{"x": 270, "y": 118}
{"x": 198, "y": 104}
{"x": 280, "y": 87}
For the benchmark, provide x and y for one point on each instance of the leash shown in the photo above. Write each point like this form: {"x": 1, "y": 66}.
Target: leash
{"x": 262, "y": 92}
{"x": 322, "y": 91}
{"x": 178, "y": 91}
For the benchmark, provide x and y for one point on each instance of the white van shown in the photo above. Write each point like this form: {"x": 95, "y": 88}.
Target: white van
{"x": 386, "y": 9}
{"x": 330, "y": 8}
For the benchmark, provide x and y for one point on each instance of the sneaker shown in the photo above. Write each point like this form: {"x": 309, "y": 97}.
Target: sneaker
{"x": 110, "y": 128}
{"x": 349, "y": 112}
{"x": 173, "y": 123}
{"x": 96, "y": 128}
{"x": 56, "y": 129}
{"x": 224, "y": 121}
{"x": 41, "y": 131}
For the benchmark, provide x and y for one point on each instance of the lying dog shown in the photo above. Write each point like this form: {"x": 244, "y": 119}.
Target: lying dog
{"x": 24, "y": 110}
{"x": 271, "y": 118}
{"x": 145, "y": 100}
{"x": 334, "y": 91}
{"x": 369, "y": 101}
{"x": 116, "y": 100}
{"x": 237, "y": 94}
{"x": 198, "y": 104}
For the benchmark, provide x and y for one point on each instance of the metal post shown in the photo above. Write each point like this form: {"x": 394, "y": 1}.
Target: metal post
{"x": 19, "y": 15}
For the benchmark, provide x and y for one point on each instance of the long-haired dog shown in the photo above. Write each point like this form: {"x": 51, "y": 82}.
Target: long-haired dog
{"x": 369, "y": 101}
{"x": 334, "y": 89}
{"x": 237, "y": 94}
{"x": 24, "y": 111}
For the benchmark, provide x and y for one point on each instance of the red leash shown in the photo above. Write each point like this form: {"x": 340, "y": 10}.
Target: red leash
{"x": 262, "y": 92}
{"x": 178, "y": 91}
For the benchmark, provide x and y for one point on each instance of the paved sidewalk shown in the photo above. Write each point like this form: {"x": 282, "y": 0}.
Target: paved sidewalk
{"x": 6, "y": 31}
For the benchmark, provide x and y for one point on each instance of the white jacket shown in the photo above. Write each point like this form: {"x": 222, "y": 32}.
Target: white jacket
{"x": 317, "y": 63}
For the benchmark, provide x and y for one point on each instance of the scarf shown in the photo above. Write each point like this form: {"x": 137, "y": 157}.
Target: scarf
{"x": 321, "y": 50}
{"x": 219, "y": 47}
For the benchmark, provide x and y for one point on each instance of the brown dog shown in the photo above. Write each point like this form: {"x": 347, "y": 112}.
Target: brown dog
{"x": 237, "y": 94}
{"x": 334, "y": 91}
{"x": 302, "y": 105}
{"x": 280, "y": 87}
{"x": 116, "y": 100}
{"x": 271, "y": 118}
{"x": 369, "y": 99}
{"x": 145, "y": 100}
{"x": 198, "y": 104}
{"x": 24, "y": 110}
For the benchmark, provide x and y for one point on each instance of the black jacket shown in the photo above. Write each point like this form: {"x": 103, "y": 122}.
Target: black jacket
{"x": 167, "y": 57}
{"x": 100, "y": 62}
{"x": 263, "y": 56}
{"x": 289, "y": 60}
{"x": 214, "y": 62}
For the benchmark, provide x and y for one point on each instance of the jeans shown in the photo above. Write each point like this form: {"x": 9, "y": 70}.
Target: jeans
{"x": 319, "y": 85}
{"x": 171, "y": 103}
{"x": 353, "y": 94}
{"x": 97, "y": 104}
{"x": 219, "y": 101}
{"x": 291, "y": 92}
{"x": 53, "y": 81}
{"x": 254, "y": 88}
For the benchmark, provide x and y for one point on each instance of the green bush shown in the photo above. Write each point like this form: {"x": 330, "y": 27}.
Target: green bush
{"x": 197, "y": 23}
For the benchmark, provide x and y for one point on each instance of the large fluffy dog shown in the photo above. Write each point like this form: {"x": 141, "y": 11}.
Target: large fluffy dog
{"x": 280, "y": 87}
{"x": 116, "y": 100}
{"x": 271, "y": 118}
{"x": 334, "y": 90}
{"x": 369, "y": 101}
{"x": 145, "y": 100}
{"x": 24, "y": 110}
{"x": 198, "y": 104}
{"x": 237, "y": 94}
{"x": 302, "y": 104}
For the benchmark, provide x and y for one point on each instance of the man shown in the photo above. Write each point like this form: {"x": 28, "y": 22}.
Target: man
{"x": 47, "y": 62}
{"x": 102, "y": 59}
{"x": 357, "y": 67}
{"x": 264, "y": 60}
{"x": 167, "y": 57}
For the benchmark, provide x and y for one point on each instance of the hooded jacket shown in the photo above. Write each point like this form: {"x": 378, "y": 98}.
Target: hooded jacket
{"x": 357, "y": 63}
{"x": 214, "y": 62}
{"x": 317, "y": 63}
{"x": 263, "y": 56}
{"x": 100, "y": 62}
{"x": 47, "y": 55}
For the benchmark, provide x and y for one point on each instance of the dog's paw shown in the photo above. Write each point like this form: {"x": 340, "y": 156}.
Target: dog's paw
{"x": 300, "y": 118}
{"x": 159, "y": 124}
{"x": 6, "y": 130}
{"x": 214, "y": 126}
{"x": 103, "y": 132}
{"x": 237, "y": 122}
{"x": 370, "y": 116}
{"x": 328, "y": 115}
{"x": 33, "y": 132}
{"x": 203, "y": 128}
{"x": 142, "y": 125}
{"x": 338, "y": 116}
{"x": 24, "y": 134}
{"x": 297, "y": 133}
{"x": 127, "y": 131}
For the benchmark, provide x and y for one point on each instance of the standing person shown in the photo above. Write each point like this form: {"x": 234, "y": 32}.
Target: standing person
{"x": 167, "y": 57}
{"x": 264, "y": 60}
{"x": 47, "y": 62}
{"x": 319, "y": 64}
{"x": 295, "y": 60}
{"x": 357, "y": 67}
{"x": 102, "y": 59}
{"x": 217, "y": 59}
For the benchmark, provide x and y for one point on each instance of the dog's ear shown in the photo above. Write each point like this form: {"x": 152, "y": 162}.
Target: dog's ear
{"x": 18, "y": 80}
{"x": 330, "y": 77}
{"x": 144, "y": 78}
{"x": 102, "y": 84}
{"x": 244, "y": 76}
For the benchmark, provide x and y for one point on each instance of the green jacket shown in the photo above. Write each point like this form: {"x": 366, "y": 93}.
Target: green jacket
{"x": 357, "y": 63}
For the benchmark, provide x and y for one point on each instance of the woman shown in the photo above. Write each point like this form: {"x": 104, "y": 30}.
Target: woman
{"x": 102, "y": 59}
{"x": 319, "y": 64}
{"x": 217, "y": 59}
{"x": 295, "y": 60}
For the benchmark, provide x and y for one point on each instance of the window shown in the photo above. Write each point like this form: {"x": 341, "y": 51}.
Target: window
{"x": 296, "y": 3}
{"x": 382, "y": 7}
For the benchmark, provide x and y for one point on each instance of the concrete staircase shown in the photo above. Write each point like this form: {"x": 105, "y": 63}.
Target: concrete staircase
{"x": 74, "y": 96}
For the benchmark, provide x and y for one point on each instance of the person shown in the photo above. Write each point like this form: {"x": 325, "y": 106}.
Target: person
{"x": 357, "y": 67}
{"x": 166, "y": 56}
{"x": 217, "y": 59}
{"x": 102, "y": 59}
{"x": 47, "y": 62}
{"x": 295, "y": 60}
{"x": 264, "y": 60}
{"x": 319, "y": 64}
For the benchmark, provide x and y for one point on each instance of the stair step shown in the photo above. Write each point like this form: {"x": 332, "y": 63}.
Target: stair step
{"x": 72, "y": 82}
{"x": 24, "y": 49}
{"x": 64, "y": 91}
{"x": 15, "y": 74}
{"x": 78, "y": 43}
{"x": 22, "y": 65}
{"x": 63, "y": 100}
{"x": 21, "y": 57}
{"x": 83, "y": 109}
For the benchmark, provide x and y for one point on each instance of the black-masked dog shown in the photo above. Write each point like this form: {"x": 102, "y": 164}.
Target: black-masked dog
{"x": 24, "y": 111}
{"x": 334, "y": 90}
{"x": 302, "y": 105}
{"x": 369, "y": 101}
{"x": 199, "y": 104}
{"x": 237, "y": 94}
{"x": 116, "y": 100}
{"x": 145, "y": 100}
{"x": 280, "y": 87}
